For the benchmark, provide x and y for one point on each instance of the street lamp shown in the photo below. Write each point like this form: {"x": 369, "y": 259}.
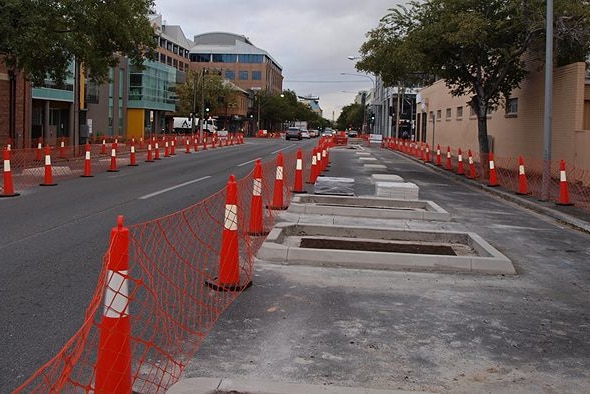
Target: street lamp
{"x": 374, "y": 87}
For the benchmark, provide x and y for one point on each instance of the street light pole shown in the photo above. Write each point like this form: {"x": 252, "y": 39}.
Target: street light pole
{"x": 365, "y": 76}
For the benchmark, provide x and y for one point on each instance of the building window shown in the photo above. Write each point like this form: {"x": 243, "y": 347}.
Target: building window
{"x": 471, "y": 112}
{"x": 229, "y": 74}
{"x": 459, "y": 112}
{"x": 162, "y": 58}
{"x": 512, "y": 106}
{"x": 249, "y": 58}
{"x": 243, "y": 75}
{"x": 200, "y": 57}
{"x": 256, "y": 75}
{"x": 438, "y": 114}
{"x": 224, "y": 58}
{"x": 162, "y": 42}
{"x": 449, "y": 113}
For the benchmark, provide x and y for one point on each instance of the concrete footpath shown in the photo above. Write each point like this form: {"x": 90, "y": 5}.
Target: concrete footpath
{"x": 317, "y": 328}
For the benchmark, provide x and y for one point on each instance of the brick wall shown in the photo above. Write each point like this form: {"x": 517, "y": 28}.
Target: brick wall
{"x": 523, "y": 133}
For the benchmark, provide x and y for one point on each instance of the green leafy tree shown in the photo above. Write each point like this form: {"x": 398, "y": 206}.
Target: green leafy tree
{"x": 351, "y": 117}
{"x": 41, "y": 38}
{"x": 479, "y": 47}
{"x": 217, "y": 93}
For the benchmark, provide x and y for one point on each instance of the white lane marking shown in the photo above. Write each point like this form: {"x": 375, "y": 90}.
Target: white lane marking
{"x": 173, "y": 188}
{"x": 248, "y": 162}
{"x": 277, "y": 151}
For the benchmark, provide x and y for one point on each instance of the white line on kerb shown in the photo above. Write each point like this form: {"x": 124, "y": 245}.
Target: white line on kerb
{"x": 173, "y": 187}
{"x": 248, "y": 162}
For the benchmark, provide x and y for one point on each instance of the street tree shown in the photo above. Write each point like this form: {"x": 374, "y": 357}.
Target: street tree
{"x": 481, "y": 48}
{"x": 204, "y": 91}
{"x": 42, "y": 38}
{"x": 351, "y": 116}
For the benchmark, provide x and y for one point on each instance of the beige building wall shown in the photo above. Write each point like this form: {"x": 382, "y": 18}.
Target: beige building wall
{"x": 521, "y": 133}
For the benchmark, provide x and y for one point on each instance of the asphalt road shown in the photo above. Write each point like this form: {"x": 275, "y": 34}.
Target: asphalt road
{"x": 53, "y": 240}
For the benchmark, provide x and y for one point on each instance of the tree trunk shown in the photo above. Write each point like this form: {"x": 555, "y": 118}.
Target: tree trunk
{"x": 480, "y": 107}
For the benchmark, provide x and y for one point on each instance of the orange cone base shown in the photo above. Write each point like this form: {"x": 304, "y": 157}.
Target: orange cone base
{"x": 258, "y": 233}
{"x": 523, "y": 194}
{"x": 48, "y": 184}
{"x": 564, "y": 204}
{"x": 9, "y": 195}
{"x": 281, "y": 208}
{"x": 109, "y": 170}
{"x": 494, "y": 185}
{"x": 300, "y": 192}
{"x": 215, "y": 285}
{"x": 133, "y": 165}
{"x": 86, "y": 176}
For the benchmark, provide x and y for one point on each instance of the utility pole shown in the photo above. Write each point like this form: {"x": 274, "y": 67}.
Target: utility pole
{"x": 194, "y": 111}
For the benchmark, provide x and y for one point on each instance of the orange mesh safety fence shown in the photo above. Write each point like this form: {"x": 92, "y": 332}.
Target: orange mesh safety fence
{"x": 28, "y": 165}
{"x": 507, "y": 173}
{"x": 170, "y": 306}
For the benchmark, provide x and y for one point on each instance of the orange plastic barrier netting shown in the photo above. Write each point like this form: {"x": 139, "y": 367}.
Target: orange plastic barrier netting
{"x": 169, "y": 303}
{"x": 28, "y": 165}
{"x": 507, "y": 172}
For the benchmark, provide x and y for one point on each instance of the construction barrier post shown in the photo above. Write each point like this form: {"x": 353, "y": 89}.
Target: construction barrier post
{"x": 132, "y": 157}
{"x": 48, "y": 181}
{"x": 472, "y": 174}
{"x": 87, "y": 163}
{"x": 313, "y": 173}
{"x": 493, "y": 181}
{"x": 113, "y": 167}
{"x": 564, "y": 197}
{"x": 449, "y": 163}
{"x": 278, "y": 194}
{"x": 298, "y": 186}
{"x": 113, "y": 365}
{"x": 229, "y": 261}
{"x": 460, "y": 168}
{"x": 256, "y": 210}
{"x": 8, "y": 188}
{"x": 149, "y": 158}
{"x": 522, "y": 182}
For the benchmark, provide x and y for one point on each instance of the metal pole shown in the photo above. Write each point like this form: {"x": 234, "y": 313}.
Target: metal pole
{"x": 397, "y": 111}
{"x": 194, "y": 112}
{"x": 202, "y": 78}
{"x": 548, "y": 103}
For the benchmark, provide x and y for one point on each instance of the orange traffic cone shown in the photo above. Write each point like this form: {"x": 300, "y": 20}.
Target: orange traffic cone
{"x": 87, "y": 163}
{"x": 62, "y": 149}
{"x": 8, "y": 188}
{"x": 522, "y": 183}
{"x": 39, "y": 156}
{"x": 103, "y": 149}
{"x": 449, "y": 164}
{"x": 319, "y": 163}
{"x": 149, "y": 158}
{"x": 188, "y": 145}
{"x": 278, "y": 195}
{"x": 156, "y": 151}
{"x": 460, "y": 168}
{"x": 173, "y": 146}
{"x": 564, "y": 197}
{"x": 438, "y": 158}
{"x": 166, "y": 147}
{"x": 132, "y": 156}
{"x": 298, "y": 186}
{"x": 48, "y": 181}
{"x": 113, "y": 167}
{"x": 313, "y": 174}
{"x": 472, "y": 174}
{"x": 113, "y": 364}
{"x": 427, "y": 154}
{"x": 229, "y": 260}
{"x": 256, "y": 213}
{"x": 196, "y": 143}
{"x": 493, "y": 181}
{"x": 204, "y": 143}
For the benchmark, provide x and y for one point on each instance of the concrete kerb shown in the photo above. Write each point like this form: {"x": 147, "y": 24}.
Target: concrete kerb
{"x": 572, "y": 221}
{"x": 237, "y": 386}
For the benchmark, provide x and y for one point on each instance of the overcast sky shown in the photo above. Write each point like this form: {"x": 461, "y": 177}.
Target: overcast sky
{"x": 310, "y": 39}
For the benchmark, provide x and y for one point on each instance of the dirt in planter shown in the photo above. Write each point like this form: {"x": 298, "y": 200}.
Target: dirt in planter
{"x": 369, "y": 246}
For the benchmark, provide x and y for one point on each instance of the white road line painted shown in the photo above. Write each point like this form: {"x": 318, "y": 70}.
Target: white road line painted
{"x": 248, "y": 162}
{"x": 277, "y": 151}
{"x": 173, "y": 188}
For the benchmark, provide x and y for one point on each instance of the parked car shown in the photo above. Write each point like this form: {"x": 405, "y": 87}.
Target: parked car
{"x": 293, "y": 133}
{"x": 305, "y": 134}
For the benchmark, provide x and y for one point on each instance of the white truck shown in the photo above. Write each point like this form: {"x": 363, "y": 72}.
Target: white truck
{"x": 302, "y": 124}
{"x": 184, "y": 125}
